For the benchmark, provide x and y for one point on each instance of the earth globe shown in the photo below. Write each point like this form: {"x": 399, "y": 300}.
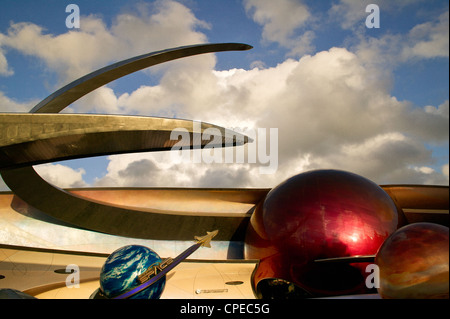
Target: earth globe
{"x": 121, "y": 269}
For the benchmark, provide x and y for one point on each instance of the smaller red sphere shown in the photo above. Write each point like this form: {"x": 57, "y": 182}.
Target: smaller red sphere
{"x": 413, "y": 263}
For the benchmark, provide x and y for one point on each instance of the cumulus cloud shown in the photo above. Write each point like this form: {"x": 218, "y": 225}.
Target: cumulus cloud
{"x": 103, "y": 100}
{"x": 70, "y": 54}
{"x": 280, "y": 20}
{"x": 61, "y": 175}
{"x": 351, "y": 14}
{"x": 4, "y": 69}
{"x": 94, "y": 45}
{"x": 424, "y": 41}
{"x": 330, "y": 111}
{"x": 387, "y": 158}
{"x": 428, "y": 40}
{"x": 10, "y": 105}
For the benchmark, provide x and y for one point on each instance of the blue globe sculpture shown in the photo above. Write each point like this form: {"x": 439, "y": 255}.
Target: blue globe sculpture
{"x": 120, "y": 272}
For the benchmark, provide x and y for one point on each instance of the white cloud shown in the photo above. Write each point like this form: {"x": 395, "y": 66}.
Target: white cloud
{"x": 424, "y": 41}
{"x": 280, "y": 21}
{"x": 94, "y": 45}
{"x": 441, "y": 110}
{"x": 428, "y": 40}
{"x": 351, "y": 14}
{"x": 103, "y": 100}
{"x": 331, "y": 111}
{"x": 389, "y": 157}
{"x": 4, "y": 69}
{"x": 9, "y": 105}
{"x": 61, "y": 175}
{"x": 71, "y": 54}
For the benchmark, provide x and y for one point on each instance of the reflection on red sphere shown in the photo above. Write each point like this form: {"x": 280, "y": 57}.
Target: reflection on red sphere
{"x": 413, "y": 263}
{"x": 317, "y": 215}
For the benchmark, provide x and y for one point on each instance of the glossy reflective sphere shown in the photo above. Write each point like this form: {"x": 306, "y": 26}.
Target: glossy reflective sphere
{"x": 121, "y": 269}
{"x": 413, "y": 262}
{"x": 316, "y": 215}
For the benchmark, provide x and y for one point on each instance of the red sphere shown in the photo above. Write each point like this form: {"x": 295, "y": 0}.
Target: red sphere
{"x": 317, "y": 215}
{"x": 413, "y": 263}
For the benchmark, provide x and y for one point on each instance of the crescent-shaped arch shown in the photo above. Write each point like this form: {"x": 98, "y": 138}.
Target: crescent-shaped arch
{"x": 113, "y": 219}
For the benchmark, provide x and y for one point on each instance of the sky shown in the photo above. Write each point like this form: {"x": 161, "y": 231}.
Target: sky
{"x": 324, "y": 87}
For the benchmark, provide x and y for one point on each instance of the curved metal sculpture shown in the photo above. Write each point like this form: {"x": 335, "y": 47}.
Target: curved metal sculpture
{"x": 111, "y": 219}
{"x": 296, "y": 228}
{"x": 32, "y": 139}
{"x": 65, "y": 96}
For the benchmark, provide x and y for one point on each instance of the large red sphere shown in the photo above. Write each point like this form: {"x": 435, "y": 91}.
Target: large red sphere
{"x": 317, "y": 215}
{"x": 413, "y": 263}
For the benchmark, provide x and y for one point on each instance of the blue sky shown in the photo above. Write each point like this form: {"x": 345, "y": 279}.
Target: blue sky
{"x": 369, "y": 100}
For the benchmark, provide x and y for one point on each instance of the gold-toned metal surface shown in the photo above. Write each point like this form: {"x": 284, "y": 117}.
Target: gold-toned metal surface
{"x": 419, "y": 196}
{"x": 115, "y": 220}
{"x": 172, "y": 217}
{"x": 205, "y": 240}
{"x": 197, "y": 201}
{"x": 29, "y": 139}
{"x": 421, "y": 203}
{"x": 85, "y": 213}
{"x": 65, "y": 96}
